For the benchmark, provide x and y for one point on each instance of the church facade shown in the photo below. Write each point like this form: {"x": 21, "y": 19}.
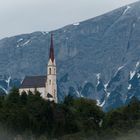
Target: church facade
{"x": 46, "y": 85}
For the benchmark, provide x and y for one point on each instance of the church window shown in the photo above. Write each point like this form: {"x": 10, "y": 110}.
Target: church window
{"x": 49, "y": 70}
{"x": 49, "y": 82}
{"x": 54, "y": 71}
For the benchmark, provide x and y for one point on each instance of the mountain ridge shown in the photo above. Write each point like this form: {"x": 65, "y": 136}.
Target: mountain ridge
{"x": 102, "y": 52}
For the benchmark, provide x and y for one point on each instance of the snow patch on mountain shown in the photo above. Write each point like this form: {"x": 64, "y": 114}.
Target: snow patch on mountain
{"x": 98, "y": 102}
{"x": 127, "y": 8}
{"x": 108, "y": 94}
{"x": 4, "y": 89}
{"x": 78, "y": 93}
{"x": 131, "y": 96}
{"x": 82, "y": 96}
{"x": 20, "y": 44}
{"x": 44, "y": 33}
{"x": 98, "y": 78}
{"x": 134, "y": 25}
{"x": 26, "y": 43}
{"x": 138, "y": 75}
{"x": 21, "y": 39}
{"x": 103, "y": 103}
{"x": 106, "y": 86}
{"x": 8, "y": 81}
{"x": 129, "y": 86}
{"x": 121, "y": 67}
{"x": 137, "y": 64}
{"x": 105, "y": 89}
{"x": 132, "y": 73}
{"x": 76, "y": 24}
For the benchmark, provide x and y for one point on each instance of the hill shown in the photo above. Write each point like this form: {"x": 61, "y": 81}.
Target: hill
{"x": 97, "y": 58}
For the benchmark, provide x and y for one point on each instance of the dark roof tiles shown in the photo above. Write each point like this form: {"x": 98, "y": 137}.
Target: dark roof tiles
{"x": 34, "y": 82}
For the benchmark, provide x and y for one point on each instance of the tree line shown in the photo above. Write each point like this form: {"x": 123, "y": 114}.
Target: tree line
{"x": 29, "y": 116}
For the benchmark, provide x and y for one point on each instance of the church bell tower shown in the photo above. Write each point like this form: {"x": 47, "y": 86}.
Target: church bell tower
{"x": 51, "y": 84}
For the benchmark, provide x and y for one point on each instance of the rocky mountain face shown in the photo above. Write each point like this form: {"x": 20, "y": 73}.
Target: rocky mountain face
{"x": 98, "y": 58}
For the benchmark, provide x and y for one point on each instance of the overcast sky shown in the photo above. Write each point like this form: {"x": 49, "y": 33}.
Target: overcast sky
{"x": 25, "y": 16}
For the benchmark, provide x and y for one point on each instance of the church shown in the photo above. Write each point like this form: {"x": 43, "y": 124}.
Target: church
{"x": 46, "y": 85}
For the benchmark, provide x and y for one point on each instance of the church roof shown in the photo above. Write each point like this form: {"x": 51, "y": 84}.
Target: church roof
{"x": 51, "y": 49}
{"x": 34, "y": 82}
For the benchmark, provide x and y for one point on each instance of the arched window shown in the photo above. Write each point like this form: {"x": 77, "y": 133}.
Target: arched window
{"x": 49, "y": 70}
{"x": 54, "y": 71}
{"x": 49, "y": 82}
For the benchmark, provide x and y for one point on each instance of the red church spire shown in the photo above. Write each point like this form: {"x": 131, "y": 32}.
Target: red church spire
{"x": 51, "y": 49}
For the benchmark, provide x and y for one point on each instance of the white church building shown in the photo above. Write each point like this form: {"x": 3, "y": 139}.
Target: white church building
{"x": 46, "y": 85}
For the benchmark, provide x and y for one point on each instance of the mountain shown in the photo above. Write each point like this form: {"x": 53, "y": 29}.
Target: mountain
{"x": 98, "y": 58}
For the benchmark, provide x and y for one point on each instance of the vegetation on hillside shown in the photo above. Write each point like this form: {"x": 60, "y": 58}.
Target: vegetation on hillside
{"x": 27, "y": 117}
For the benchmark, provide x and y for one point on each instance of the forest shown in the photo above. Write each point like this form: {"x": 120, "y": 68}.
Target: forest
{"x": 30, "y": 117}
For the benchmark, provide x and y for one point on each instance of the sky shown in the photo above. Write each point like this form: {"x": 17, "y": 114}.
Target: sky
{"x": 26, "y": 16}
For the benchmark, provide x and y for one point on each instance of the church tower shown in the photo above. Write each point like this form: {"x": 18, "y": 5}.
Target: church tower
{"x": 51, "y": 84}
